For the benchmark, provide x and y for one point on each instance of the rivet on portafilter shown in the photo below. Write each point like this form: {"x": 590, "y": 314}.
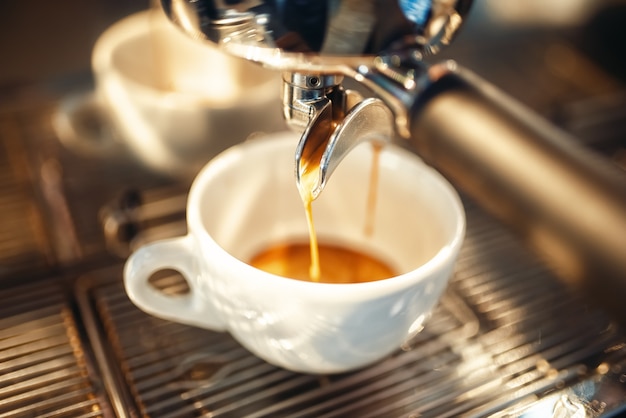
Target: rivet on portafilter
{"x": 567, "y": 206}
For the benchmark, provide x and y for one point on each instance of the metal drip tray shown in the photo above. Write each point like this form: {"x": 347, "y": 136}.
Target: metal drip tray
{"x": 507, "y": 340}
{"x": 173, "y": 370}
{"x": 44, "y": 371}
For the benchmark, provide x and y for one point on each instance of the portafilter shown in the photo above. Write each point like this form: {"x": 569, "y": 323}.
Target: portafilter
{"x": 561, "y": 199}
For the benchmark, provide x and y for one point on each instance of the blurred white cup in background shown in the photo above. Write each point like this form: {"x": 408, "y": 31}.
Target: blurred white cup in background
{"x": 176, "y": 102}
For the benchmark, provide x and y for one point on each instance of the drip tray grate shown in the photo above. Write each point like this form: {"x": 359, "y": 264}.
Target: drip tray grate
{"x": 506, "y": 339}
{"x": 174, "y": 370}
{"x": 43, "y": 368}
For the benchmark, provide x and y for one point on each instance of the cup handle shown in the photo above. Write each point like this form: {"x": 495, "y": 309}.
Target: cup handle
{"x": 83, "y": 125}
{"x": 176, "y": 254}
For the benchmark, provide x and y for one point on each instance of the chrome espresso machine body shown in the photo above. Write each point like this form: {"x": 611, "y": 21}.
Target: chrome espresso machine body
{"x": 526, "y": 172}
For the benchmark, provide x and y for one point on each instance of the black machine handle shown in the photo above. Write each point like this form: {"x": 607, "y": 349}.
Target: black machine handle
{"x": 562, "y": 199}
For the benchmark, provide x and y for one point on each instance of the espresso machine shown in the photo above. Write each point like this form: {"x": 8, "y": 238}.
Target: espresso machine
{"x": 529, "y": 174}
{"x": 531, "y": 324}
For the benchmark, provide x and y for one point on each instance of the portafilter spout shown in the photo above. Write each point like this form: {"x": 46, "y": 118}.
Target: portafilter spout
{"x": 333, "y": 121}
{"x": 561, "y": 199}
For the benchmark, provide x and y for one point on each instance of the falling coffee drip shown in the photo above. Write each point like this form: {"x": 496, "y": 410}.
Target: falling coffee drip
{"x": 372, "y": 195}
{"x": 309, "y": 178}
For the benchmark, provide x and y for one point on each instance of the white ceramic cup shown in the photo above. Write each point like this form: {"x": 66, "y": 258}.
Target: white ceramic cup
{"x": 175, "y": 101}
{"x": 246, "y": 199}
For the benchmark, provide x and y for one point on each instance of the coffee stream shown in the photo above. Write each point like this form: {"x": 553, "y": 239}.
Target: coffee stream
{"x": 372, "y": 196}
{"x": 308, "y": 181}
{"x": 324, "y": 262}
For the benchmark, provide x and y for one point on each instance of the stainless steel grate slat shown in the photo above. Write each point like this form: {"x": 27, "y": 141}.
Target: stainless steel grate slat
{"x": 16, "y": 376}
{"x": 169, "y": 397}
{"x": 50, "y": 404}
{"x": 48, "y": 391}
{"x": 85, "y": 409}
{"x": 413, "y": 368}
{"x": 50, "y": 378}
{"x": 20, "y": 328}
{"x": 168, "y": 371}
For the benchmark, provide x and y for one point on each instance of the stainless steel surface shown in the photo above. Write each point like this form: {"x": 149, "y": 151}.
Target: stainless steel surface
{"x": 320, "y": 36}
{"x": 333, "y": 120}
{"x": 44, "y": 370}
{"x": 306, "y": 95}
{"x": 320, "y": 150}
{"x": 323, "y": 39}
{"x": 508, "y": 339}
